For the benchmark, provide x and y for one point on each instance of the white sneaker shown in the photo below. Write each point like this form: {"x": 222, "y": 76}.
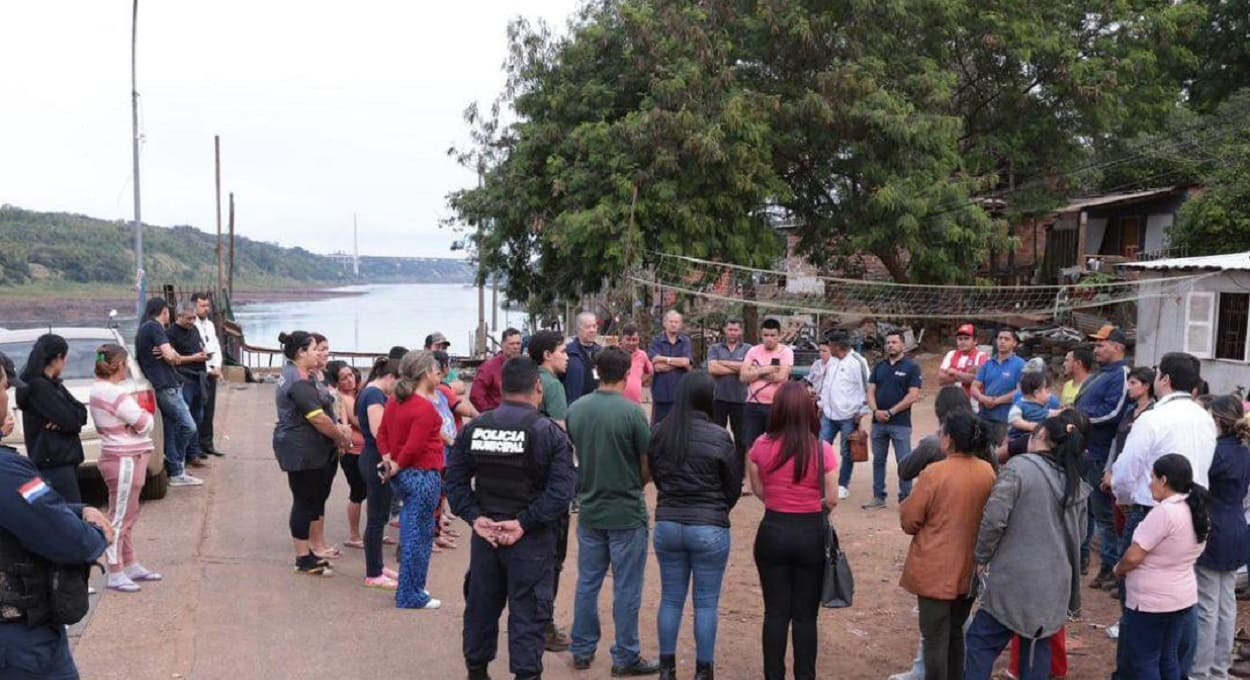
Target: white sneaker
{"x": 185, "y": 480}
{"x": 843, "y": 492}
{"x": 1113, "y": 631}
{"x": 433, "y": 603}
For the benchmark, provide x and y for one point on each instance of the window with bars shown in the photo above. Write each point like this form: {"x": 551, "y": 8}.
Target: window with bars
{"x": 1232, "y": 324}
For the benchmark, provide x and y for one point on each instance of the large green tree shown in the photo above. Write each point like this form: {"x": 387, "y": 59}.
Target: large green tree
{"x": 665, "y": 126}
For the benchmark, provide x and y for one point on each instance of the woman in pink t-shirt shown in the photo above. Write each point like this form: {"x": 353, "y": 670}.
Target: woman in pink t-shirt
{"x": 790, "y": 543}
{"x": 1158, "y": 569}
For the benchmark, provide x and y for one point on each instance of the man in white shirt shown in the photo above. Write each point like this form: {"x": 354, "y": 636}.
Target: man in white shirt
{"x": 843, "y": 400}
{"x": 212, "y": 347}
{"x": 960, "y": 365}
{"x": 1176, "y": 424}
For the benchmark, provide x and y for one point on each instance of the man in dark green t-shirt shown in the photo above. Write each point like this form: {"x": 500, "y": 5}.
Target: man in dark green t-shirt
{"x": 610, "y": 436}
{"x": 546, "y": 348}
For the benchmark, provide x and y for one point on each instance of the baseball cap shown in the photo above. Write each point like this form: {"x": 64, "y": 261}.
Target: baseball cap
{"x": 435, "y": 339}
{"x": 11, "y": 371}
{"x": 967, "y": 329}
{"x": 1112, "y": 333}
{"x": 1035, "y": 365}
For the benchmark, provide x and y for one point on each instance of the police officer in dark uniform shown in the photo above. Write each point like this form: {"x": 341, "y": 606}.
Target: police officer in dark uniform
{"x": 510, "y": 475}
{"x": 39, "y": 533}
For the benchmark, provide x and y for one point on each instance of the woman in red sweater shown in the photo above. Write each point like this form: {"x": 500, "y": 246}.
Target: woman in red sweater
{"x": 411, "y": 443}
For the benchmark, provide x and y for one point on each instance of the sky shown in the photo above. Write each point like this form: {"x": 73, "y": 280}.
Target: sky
{"x": 324, "y": 109}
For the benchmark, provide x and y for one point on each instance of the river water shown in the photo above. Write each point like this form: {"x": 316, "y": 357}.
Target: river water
{"x": 379, "y": 317}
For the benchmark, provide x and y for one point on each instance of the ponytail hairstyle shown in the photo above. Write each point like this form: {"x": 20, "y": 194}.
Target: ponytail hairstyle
{"x": 968, "y": 434}
{"x": 1230, "y": 417}
{"x": 382, "y": 367}
{"x": 1178, "y": 475}
{"x": 412, "y": 369}
{"x": 1066, "y": 433}
{"x": 47, "y": 348}
{"x": 109, "y": 359}
{"x": 295, "y": 341}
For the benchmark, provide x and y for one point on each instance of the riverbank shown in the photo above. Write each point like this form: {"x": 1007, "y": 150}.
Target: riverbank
{"x": 77, "y": 304}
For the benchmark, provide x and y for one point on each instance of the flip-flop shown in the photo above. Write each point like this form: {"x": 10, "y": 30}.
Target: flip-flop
{"x": 329, "y": 553}
{"x": 360, "y": 545}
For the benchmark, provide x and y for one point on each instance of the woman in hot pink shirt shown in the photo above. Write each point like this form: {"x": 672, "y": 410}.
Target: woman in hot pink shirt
{"x": 1160, "y": 587}
{"x": 790, "y": 543}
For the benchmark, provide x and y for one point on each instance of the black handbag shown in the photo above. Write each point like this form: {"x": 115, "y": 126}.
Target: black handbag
{"x": 838, "y": 588}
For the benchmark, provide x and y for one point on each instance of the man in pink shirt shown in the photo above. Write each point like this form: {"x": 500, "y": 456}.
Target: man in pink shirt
{"x": 640, "y": 369}
{"x": 764, "y": 369}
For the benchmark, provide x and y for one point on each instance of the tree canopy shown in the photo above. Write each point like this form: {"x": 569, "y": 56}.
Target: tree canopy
{"x": 661, "y": 126}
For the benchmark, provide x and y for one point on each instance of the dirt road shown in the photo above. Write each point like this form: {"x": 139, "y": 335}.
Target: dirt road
{"x": 231, "y": 608}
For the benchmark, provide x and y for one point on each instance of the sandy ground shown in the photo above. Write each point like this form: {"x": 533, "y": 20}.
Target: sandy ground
{"x": 232, "y": 608}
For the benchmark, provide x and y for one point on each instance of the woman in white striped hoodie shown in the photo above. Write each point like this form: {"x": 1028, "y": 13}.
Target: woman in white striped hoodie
{"x": 125, "y": 446}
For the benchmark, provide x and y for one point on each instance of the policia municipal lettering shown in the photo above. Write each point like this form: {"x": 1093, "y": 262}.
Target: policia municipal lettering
{"x": 510, "y": 475}
{"x": 46, "y": 547}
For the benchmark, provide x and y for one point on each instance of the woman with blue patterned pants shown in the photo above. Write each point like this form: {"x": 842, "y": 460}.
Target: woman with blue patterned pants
{"x": 410, "y": 440}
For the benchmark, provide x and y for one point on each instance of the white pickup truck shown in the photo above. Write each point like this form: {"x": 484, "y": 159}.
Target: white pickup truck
{"x": 78, "y": 376}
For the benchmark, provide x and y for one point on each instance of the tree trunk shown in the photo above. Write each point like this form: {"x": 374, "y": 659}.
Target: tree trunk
{"x": 893, "y": 265}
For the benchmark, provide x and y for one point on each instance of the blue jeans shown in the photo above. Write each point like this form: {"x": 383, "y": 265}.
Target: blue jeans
{"x": 625, "y": 551}
{"x": 1102, "y": 517}
{"x": 829, "y": 429}
{"x": 685, "y": 550}
{"x": 193, "y": 394}
{"x": 179, "y": 428}
{"x": 1150, "y": 644}
{"x": 987, "y": 638}
{"x": 882, "y": 436}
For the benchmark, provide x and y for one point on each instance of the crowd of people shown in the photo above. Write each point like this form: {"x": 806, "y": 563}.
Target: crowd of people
{"x": 1007, "y": 504}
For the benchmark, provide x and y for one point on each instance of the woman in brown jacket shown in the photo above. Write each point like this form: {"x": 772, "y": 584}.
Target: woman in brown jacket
{"x": 942, "y": 515}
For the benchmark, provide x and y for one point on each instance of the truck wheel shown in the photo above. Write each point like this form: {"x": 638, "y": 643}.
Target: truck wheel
{"x": 155, "y": 487}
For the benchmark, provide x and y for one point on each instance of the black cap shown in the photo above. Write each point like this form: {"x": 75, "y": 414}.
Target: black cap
{"x": 11, "y": 371}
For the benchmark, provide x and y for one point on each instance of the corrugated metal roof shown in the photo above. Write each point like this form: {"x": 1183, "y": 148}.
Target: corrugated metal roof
{"x": 1109, "y": 199}
{"x": 1229, "y": 262}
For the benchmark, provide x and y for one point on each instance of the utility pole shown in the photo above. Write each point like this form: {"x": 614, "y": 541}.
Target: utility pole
{"x": 141, "y": 283}
{"x": 217, "y": 171}
{"x": 355, "y": 248}
{"x": 480, "y": 348}
{"x": 230, "y": 284}
{"x": 494, "y": 305}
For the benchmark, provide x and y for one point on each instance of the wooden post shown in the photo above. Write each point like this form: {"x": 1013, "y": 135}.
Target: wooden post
{"x": 230, "y": 280}
{"x": 217, "y": 177}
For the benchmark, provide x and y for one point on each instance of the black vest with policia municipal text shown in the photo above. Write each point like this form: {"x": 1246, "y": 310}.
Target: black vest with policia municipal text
{"x": 507, "y": 477}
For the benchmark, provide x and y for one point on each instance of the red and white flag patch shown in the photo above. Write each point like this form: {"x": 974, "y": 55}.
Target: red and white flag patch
{"x": 33, "y": 490}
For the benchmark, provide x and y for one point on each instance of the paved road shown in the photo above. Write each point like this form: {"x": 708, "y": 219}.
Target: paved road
{"x": 231, "y": 607}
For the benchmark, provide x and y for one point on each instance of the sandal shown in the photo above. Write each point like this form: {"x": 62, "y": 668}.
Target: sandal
{"x": 357, "y": 543}
{"x": 447, "y": 543}
{"x": 328, "y": 553}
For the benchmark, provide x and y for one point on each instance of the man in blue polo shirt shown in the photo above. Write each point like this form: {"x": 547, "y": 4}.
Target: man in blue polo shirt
{"x": 672, "y": 356}
{"x": 998, "y": 381}
{"x": 892, "y": 389}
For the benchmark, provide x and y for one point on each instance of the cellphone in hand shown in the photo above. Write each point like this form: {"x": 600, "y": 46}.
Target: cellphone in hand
{"x": 776, "y": 362}
{"x": 382, "y": 471}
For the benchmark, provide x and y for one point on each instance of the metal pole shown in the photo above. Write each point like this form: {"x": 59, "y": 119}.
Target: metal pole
{"x": 480, "y": 349}
{"x": 494, "y": 305}
{"x": 217, "y": 168}
{"x": 230, "y": 279}
{"x": 140, "y": 277}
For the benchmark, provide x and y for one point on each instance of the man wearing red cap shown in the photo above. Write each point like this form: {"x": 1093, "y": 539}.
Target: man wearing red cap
{"x": 960, "y": 365}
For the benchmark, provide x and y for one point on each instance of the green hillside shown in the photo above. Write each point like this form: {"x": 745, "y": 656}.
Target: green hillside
{"x": 49, "y": 247}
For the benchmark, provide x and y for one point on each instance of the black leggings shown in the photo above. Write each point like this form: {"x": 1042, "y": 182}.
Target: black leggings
{"x": 64, "y": 480}
{"x": 378, "y": 510}
{"x": 355, "y": 480}
{"x": 790, "y": 556}
{"x": 309, "y": 491}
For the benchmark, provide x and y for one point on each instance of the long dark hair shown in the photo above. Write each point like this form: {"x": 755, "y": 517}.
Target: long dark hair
{"x": 950, "y": 399}
{"x": 1180, "y": 478}
{"x": 333, "y": 368}
{"x": 793, "y": 423}
{"x": 695, "y": 394}
{"x": 47, "y": 348}
{"x": 295, "y": 341}
{"x": 1066, "y": 433}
